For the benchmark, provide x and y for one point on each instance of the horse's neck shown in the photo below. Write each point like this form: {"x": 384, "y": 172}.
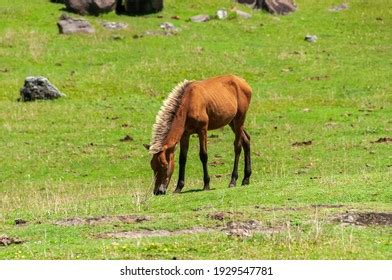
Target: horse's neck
{"x": 177, "y": 128}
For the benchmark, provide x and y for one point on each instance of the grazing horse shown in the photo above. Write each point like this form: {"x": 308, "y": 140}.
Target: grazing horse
{"x": 196, "y": 107}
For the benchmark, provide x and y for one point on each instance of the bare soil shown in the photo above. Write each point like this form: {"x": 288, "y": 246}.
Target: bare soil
{"x": 236, "y": 229}
{"x": 126, "y": 219}
{"x": 303, "y": 143}
{"x": 154, "y": 233}
{"x": 383, "y": 140}
{"x": 314, "y": 206}
{"x": 365, "y": 219}
{"x": 221, "y": 215}
{"x": 6, "y": 241}
{"x": 248, "y": 228}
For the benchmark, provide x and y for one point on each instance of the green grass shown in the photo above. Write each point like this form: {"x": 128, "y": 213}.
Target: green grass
{"x": 63, "y": 158}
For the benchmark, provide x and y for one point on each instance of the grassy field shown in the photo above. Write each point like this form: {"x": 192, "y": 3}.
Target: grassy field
{"x": 64, "y": 159}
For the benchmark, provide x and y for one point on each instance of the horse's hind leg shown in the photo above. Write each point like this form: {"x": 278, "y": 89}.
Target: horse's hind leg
{"x": 204, "y": 157}
{"x": 248, "y": 164}
{"x": 184, "y": 145}
{"x": 237, "y": 127}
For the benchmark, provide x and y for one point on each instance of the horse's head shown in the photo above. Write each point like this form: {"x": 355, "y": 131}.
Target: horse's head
{"x": 162, "y": 164}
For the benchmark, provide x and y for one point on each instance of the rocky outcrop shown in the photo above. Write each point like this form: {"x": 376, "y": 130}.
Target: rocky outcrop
{"x": 68, "y": 25}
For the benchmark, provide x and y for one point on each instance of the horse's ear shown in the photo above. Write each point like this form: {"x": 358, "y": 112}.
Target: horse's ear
{"x": 147, "y": 146}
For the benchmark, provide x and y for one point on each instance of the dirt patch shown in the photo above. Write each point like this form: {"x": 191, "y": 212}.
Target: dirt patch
{"x": 6, "y": 241}
{"x": 235, "y": 229}
{"x": 300, "y": 208}
{"x": 319, "y": 78}
{"x": 303, "y": 143}
{"x": 126, "y": 219}
{"x": 382, "y": 140}
{"x": 126, "y": 138}
{"x": 216, "y": 163}
{"x": 20, "y": 222}
{"x": 203, "y": 208}
{"x": 248, "y": 228}
{"x": 220, "y": 216}
{"x": 155, "y": 233}
{"x": 366, "y": 219}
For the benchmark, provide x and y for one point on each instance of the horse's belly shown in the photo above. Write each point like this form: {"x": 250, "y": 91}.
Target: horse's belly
{"x": 221, "y": 116}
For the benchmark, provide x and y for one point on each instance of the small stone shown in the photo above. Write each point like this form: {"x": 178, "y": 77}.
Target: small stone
{"x": 311, "y": 38}
{"x": 169, "y": 27}
{"x": 200, "y": 18}
{"x": 221, "y": 14}
{"x": 114, "y": 25}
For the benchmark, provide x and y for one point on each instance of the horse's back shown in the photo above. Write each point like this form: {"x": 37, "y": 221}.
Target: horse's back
{"x": 218, "y": 100}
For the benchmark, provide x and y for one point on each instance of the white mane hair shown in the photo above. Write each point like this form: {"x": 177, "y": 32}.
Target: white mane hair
{"x": 165, "y": 117}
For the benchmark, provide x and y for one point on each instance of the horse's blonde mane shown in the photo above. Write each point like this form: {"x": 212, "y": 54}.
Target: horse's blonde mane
{"x": 165, "y": 117}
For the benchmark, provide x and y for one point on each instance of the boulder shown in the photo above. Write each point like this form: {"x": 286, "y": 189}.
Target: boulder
{"x": 250, "y": 3}
{"x": 68, "y": 25}
{"x": 38, "y": 88}
{"x": 139, "y": 7}
{"x": 91, "y": 7}
{"x": 279, "y": 7}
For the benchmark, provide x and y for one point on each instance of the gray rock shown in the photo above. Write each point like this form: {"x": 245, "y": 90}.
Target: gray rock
{"x": 92, "y": 7}
{"x": 200, "y": 18}
{"x": 114, "y": 25}
{"x": 68, "y": 25}
{"x": 168, "y": 26}
{"x": 279, "y": 7}
{"x": 38, "y": 88}
{"x": 311, "y": 38}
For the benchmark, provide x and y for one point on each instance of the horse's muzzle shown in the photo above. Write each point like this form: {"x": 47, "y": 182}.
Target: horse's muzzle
{"x": 160, "y": 190}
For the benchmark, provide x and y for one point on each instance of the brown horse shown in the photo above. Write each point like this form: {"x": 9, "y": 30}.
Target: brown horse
{"x": 195, "y": 107}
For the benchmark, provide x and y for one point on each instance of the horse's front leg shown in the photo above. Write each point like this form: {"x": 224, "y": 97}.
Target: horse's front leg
{"x": 204, "y": 157}
{"x": 184, "y": 145}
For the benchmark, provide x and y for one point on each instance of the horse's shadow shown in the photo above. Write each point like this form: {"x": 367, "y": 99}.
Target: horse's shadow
{"x": 195, "y": 191}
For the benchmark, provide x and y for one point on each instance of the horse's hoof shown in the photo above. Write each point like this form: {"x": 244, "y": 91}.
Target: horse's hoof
{"x": 177, "y": 191}
{"x": 245, "y": 182}
{"x": 206, "y": 188}
{"x": 231, "y": 185}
